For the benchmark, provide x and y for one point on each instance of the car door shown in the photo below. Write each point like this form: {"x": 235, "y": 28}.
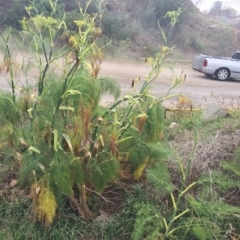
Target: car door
{"x": 235, "y": 69}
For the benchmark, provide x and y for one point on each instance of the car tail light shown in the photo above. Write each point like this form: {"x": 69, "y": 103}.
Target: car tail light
{"x": 205, "y": 63}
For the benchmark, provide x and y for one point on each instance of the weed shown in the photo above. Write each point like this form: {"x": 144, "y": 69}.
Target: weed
{"x": 221, "y": 101}
{"x": 66, "y": 150}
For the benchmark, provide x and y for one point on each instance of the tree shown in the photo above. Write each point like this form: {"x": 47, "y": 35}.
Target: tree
{"x": 11, "y": 12}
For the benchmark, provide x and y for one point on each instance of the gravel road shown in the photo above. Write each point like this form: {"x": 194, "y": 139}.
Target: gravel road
{"x": 197, "y": 87}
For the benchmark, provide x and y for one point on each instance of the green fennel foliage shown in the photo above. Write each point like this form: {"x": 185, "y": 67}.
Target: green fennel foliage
{"x": 67, "y": 149}
{"x": 148, "y": 222}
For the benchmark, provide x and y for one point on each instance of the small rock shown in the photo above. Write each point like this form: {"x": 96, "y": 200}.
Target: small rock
{"x": 212, "y": 111}
{"x": 174, "y": 126}
{"x": 103, "y": 218}
{"x": 13, "y": 183}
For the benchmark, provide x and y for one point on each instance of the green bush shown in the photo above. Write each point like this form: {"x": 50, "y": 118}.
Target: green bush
{"x": 111, "y": 24}
{"x": 67, "y": 149}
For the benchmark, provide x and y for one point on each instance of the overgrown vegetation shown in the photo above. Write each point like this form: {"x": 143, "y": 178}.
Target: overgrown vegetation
{"x": 66, "y": 147}
{"x": 73, "y": 169}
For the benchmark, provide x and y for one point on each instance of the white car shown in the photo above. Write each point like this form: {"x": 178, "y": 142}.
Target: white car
{"x": 221, "y": 68}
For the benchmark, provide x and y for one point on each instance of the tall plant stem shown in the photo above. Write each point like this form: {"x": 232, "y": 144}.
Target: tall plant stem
{"x": 10, "y": 68}
{"x": 40, "y": 86}
{"x": 74, "y": 67}
{"x": 47, "y": 59}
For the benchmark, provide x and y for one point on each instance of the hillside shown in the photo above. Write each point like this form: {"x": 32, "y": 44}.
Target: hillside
{"x": 133, "y": 25}
{"x": 192, "y": 32}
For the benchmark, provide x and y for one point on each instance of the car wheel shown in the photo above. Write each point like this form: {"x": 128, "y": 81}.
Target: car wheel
{"x": 222, "y": 74}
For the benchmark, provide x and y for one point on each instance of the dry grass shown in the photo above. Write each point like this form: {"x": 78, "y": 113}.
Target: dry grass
{"x": 204, "y": 153}
{"x": 233, "y": 104}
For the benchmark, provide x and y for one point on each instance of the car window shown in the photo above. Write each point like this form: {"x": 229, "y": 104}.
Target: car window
{"x": 236, "y": 56}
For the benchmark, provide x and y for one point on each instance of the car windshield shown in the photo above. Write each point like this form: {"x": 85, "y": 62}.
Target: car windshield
{"x": 236, "y": 56}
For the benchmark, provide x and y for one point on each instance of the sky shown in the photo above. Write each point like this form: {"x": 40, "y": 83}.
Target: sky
{"x": 207, "y": 4}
